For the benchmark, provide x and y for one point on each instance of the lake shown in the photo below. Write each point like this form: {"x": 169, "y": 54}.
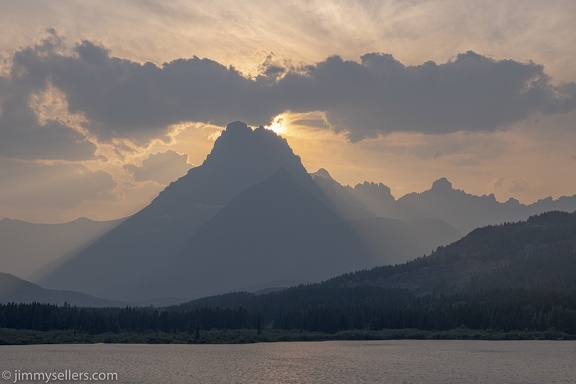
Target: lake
{"x": 343, "y": 362}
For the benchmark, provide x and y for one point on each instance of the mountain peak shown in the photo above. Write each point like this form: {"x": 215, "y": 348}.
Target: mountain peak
{"x": 323, "y": 173}
{"x": 241, "y": 146}
{"x": 237, "y": 130}
{"x": 442, "y": 184}
{"x": 241, "y": 157}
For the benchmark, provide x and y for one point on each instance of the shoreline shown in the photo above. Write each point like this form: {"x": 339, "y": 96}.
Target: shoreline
{"x": 249, "y": 336}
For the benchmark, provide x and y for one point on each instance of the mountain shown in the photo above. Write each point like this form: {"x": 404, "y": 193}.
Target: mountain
{"x": 276, "y": 233}
{"x": 28, "y": 247}
{"x": 463, "y": 211}
{"x": 511, "y": 281}
{"x": 14, "y": 289}
{"x": 378, "y": 198}
{"x": 518, "y": 267}
{"x": 241, "y": 157}
{"x": 538, "y": 254}
{"x": 341, "y": 198}
{"x": 250, "y": 217}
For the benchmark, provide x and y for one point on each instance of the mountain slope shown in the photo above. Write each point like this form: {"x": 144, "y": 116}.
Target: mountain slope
{"x": 251, "y": 217}
{"x": 539, "y": 253}
{"x": 340, "y": 198}
{"x": 511, "y": 276}
{"x": 14, "y": 289}
{"x": 276, "y": 233}
{"x": 263, "y": 237}
{"x": 241, "y": 157}
{"x": 28, "y": 247}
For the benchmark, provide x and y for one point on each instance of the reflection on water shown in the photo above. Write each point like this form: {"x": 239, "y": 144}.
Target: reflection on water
{"x": 302, "y": 362}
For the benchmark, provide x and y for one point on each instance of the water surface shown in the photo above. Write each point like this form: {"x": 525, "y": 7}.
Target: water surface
{"x": 345, "y": 362}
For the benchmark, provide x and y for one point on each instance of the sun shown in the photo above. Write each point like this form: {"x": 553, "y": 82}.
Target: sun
{"x": 278, "y": 125}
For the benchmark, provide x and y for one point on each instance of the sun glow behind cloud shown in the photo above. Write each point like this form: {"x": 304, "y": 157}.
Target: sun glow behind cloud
{"x": 278, "y": 125}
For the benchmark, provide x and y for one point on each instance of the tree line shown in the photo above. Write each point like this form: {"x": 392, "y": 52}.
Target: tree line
{"x": 325, "y": 310}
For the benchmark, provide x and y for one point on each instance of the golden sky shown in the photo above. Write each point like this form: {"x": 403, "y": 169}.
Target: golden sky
{"x": 401, "y": 92}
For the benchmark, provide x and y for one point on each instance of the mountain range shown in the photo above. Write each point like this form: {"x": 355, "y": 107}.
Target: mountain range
{"x": 532, "y": 257}
{"x": 509, "y": 280}
{"x": 251, "y": 217}
{"x": 463, "y": 211}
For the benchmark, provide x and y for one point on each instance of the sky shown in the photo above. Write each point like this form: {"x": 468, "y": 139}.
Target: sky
{"x": 102, "y": 104}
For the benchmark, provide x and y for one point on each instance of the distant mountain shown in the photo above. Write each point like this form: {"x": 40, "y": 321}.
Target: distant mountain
{"x": 27, "y": 247}
{"x": 14, "y": 289}
{"x": 463, "y": 211}
{"x": 341, "y": 198}
{"x": 377, "y": 198}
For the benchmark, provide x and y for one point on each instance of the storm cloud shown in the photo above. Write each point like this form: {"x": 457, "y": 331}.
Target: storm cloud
{"x": 23, "y": 135}
{"x": 471, "y": 92}
{"x": 128, "y": 100}
{"x": 123, "y": 99}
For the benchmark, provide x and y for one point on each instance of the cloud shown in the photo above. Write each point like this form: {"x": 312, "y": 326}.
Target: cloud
{"x": 36, "y": 185}
{"x": 511, "y": 185}
{"x": 380, "y": 95}
{"x": 23, "y": 134}
{"x": 377, "y": 95}
{"x": 518, "y": 185}
{"x": 161, "y": 167}
{"x": 123, "y": 99}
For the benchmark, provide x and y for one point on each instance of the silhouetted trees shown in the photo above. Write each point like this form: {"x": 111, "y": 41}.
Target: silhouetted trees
{"x": 322, "y": 310}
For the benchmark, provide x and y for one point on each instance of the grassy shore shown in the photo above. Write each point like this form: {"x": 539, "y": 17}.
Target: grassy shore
{"x": 23, "y": 337}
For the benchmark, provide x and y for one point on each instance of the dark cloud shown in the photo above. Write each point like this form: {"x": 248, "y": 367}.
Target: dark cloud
{"x": 22, "y": 134}
{"x": 378, "y": 95}
{"x": 161, "y": 167}
{"x": 125, "y": 99}
{"x": 37, "y": 185}
{"x": 469, "y": 93}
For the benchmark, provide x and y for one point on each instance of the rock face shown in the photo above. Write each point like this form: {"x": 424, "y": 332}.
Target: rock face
{"x": 250, "y": 217}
